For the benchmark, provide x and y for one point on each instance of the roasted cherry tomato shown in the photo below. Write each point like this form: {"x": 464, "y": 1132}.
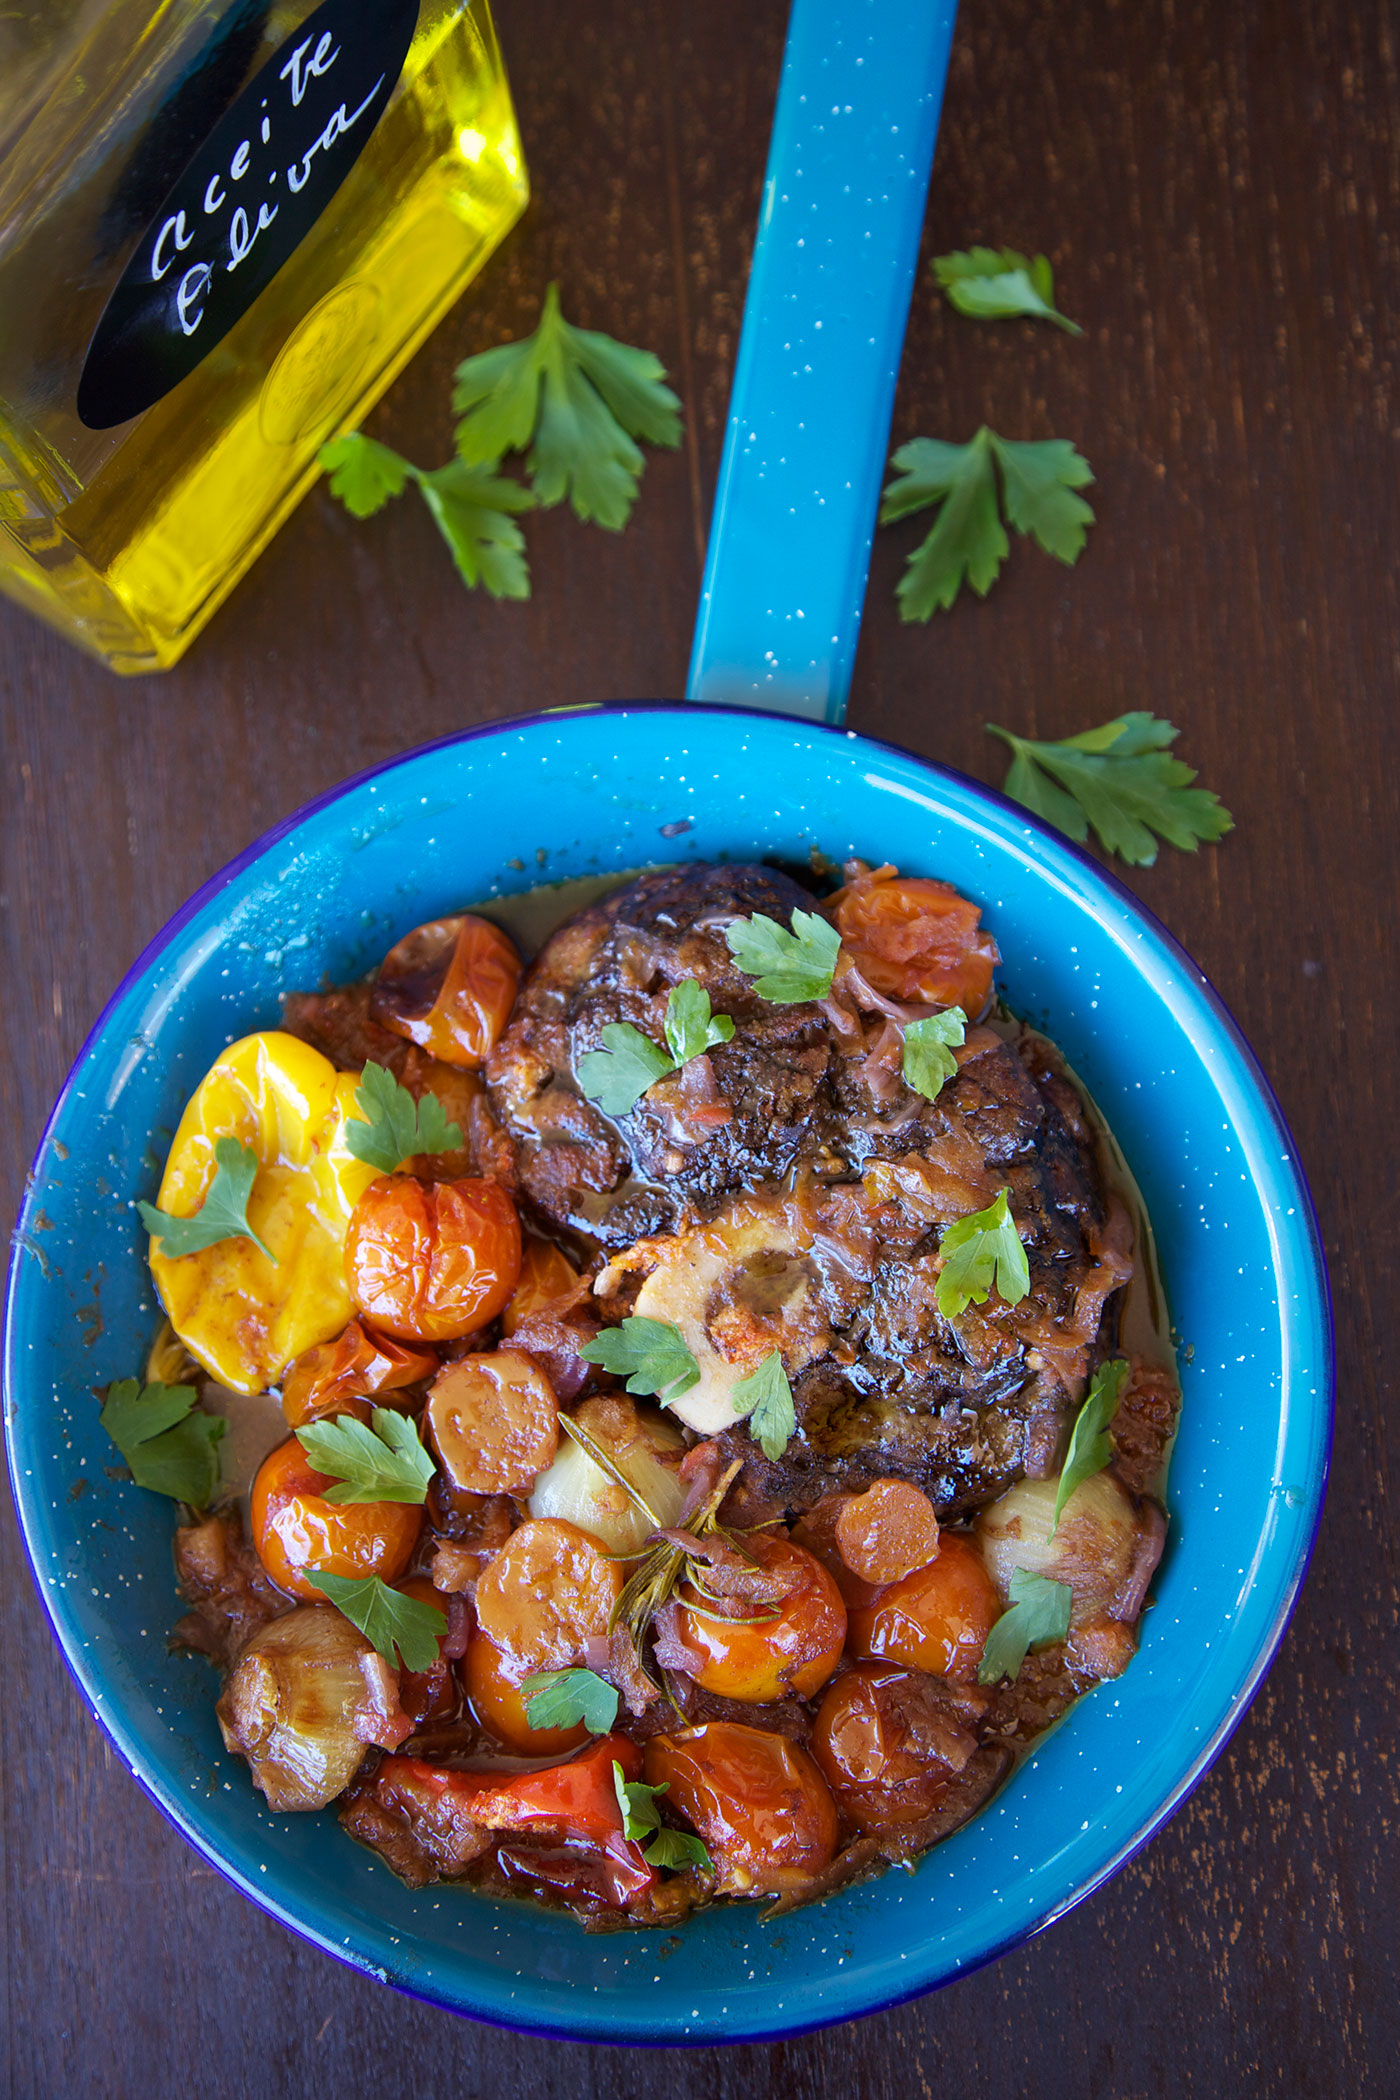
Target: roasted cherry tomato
{"x": 550, "y": 1589}
{"x": 915, "y": 939}
{"x": 758, "y": 1801}
{"x": 493, "y": 1421}
{"x": 432, "y": 1261}
{"x": 334, "y": 1376}
{"x": 879, "y": 1749}
{"x": 789, "y": 1656}
{"x": 243, "y": 1316}
{"x": 449, "y": 986}
{"x": 546, "y": 1273}
{"x": 431, "y": 1694}
{"x": 493, "y": 1687}
{"x": 295, "y": 1530}
{"x": 936, "y": 1619}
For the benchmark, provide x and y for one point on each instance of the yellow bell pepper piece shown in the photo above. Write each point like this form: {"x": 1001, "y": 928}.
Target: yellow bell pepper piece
{"x": 242, "y": 1316}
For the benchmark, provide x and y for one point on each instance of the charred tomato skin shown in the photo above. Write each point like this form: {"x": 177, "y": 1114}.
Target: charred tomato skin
{"x": 432, "y": 1261}
{"x": 296, "y": 1531}
{"x": 758, "y": 1801}
{"x": 338, "y": 1377}
{"x": 449, "y": 986}
{"x": 936, "y": 1619}
{"x": 790, "y": 1656}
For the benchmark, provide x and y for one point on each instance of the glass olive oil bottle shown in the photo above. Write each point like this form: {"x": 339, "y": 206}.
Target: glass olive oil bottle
{"x": 225, "y": 225}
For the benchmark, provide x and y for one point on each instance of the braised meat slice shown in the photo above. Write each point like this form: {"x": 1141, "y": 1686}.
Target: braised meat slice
{"x": 742, "y": 1114}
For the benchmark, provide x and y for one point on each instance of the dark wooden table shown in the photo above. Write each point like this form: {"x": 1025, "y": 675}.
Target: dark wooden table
{"x": 1219, "y": 188}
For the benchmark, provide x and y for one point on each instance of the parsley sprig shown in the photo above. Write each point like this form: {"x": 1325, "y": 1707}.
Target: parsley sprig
{"x": 787, "y": 967}
{"x": 630, "y": 1063}
{"x": 1000, "y": 284}
{"x": 1039, "y": 1612}
{"x": 981, "y": 1253}
{"x": 223, "y": 1215}
{"x": 1090, "y": 1445}
{"x": 765, "y": 1397}
{"x": 169, "y": 1444}
{"x": 1121, "y": 779}
{"x": 403, "y": 1630}
{"x": 577, "y": 400}
{"x": 652, "y": 1355}
{"x": 383, "y": 1461}
{"x": 661, "y": 1846}
{"x": 928, "y": 1051}
{"x": 968, "y": 542}
{"x": 395, "y": 1127}
{"x": 564, "y": 1698}
{"x": 473, "y": 507}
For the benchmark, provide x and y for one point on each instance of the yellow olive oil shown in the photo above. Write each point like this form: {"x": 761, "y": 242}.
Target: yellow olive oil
{"x": 223, "y": 230}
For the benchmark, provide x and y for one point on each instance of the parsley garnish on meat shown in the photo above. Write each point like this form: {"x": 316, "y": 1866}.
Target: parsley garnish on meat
{"x": 617, "y": 1076}
{"x": 928, "y": 1058}
{"x": 169, "y": 1444}
{"x": 979, "y": 1253}
{"x": 404, "y": 1631}
{"x": 661, "y": 1846}
{"x": 223, "y": 1215}
{"x": 968, "y": 542}
{"x": 473, "y": 507}
{"x": 787, "y": 968}
{"x": 765, "y": 1397}
{"x": 564, "y": 1698}
{"x": 1038, "y": 1612}
{"x": 577, "y": 399}
{"x": 999, "y": 284}
{"x": 395, "y": 1126}
{"x": 1090, "y": 1445}
{"x": 383, "y": 1461}
{"x": 1121, "y": 779}
{"x": 651, "y": 1354}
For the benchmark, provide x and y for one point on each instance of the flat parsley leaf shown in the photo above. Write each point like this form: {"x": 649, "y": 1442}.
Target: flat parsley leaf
{"x": 652, "y": 1352}
{"x": 979, "y": 1252}
{"x": 473, "y": 507}
{"x": 563, "y": 1698}
{"x": 691, "y": 1028}
{"x": 928, "y": 1060}
{"x": 968, "y": 542}
{"x": 1090, "y": 1445}
{"x": 223, "y": 1215}
{"x": 383, "y": 1461}
{"x": 661, "y": 1846}
{"x": 1039, "y": 1611}
{"x": 787, "y": 968}
{"x": 765, "y": 1397}
{"x": 998, "y": 284}
{"x": 405, "y": 1632}
{"x": 395, "y": 1127}
{"x": 169, "y": 1445}
{"x": 1121, "y": 779}
{"x": 617, "y": 1076}
{"x": 577, "y": 399}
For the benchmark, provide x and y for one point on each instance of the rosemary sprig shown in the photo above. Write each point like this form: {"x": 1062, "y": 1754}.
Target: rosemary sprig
{"x": 661, "y": 1574}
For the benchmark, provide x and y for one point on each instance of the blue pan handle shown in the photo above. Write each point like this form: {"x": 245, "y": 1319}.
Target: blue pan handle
{"x": 828, "y": 299}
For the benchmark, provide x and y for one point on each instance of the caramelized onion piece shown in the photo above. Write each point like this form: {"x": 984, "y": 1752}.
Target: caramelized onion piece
{"x": 449, "y": 986}
{"x": 1097, "y": 1550}
{"x": 296, "y": 1706}
{"x": 647, "y": 1451}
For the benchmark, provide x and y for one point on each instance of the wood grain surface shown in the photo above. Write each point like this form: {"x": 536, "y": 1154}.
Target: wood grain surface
{"x": 1217, "y": 187}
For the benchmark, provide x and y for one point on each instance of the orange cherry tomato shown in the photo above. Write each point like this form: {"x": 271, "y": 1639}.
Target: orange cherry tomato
{"x": 330, "y": 1378}
{"x": 758, "y": 1801}
{"x": 493, "y": 1687}
{"x": 431, "y": 1694}
{"x": 912, "y": 938}
{"x": 449, "y": 986}
{"x": 936, "y": 1619}
{"x": 296, "y": 1530}
{"x": 869, "y": 1754}
{"x": 546, "y": 1273}
{"x": 432, "y": 1261}
{"x": 550, "y": 1589}
{"x": 790, "y": 1656}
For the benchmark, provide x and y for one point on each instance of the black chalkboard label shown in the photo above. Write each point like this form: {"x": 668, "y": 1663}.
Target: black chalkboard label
{"x": 245, "y": 202}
